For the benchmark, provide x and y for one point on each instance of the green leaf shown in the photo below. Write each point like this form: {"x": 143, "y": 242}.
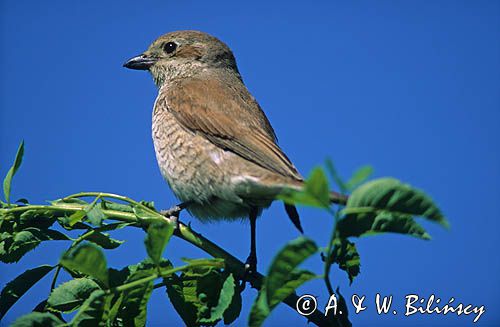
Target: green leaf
{"x": 94, "y": 311}
{"x": 293, "y": 281}
{"x": 7, "y": 224}
{"x": 115, "y": 306}
{"x": 104, "y": 240}
{"x": 95, "y": 215}
{"x": 20, "y": 285}
{"x": 76, "y": 217}
{"x": 234, "y": 309}
{"x": 362, "y": 224}
{"x": 23, "y": 201}
{"x": 115, "y": 226}
{"x": 119, "y": 277}
{"x": 108, "y": 205}
{"x": 159, "y": 234}
{"x": 69, "y": 202}
{"x": 225, "y": 299}
{"x": 182, "y": 294}
{"x": 14, "y": 248}
{"x": 317, "y": 186}
{"x": 5, "y": 236}
{"x": 87, "y": 259}
{"x": 130, "y": 306}
{"x": 40, "y": 307}
{"x": 197, "y": 297}
{"x": 287, "y": 259}
{"x": 65, "y": 223}
{"x": 149, "y": 265}
{"x": 282, "y": 278}
{"x": 212, "y": 263}
{"x": 143, "y": 213}
{"x": 37, "y": 218}
{"x": 347, "y": 257}
{"x": 393, "y": 197}
{"x": 135, "y": 300}
{"x": 12, "y": 171}
{"x": 69, "y": 296}
{"x": 264, "y": 304}
{"x": 335, "y": 176}
{"x": 49, "y": 234}
{"x": 260, "y": 309}
{"x": 38, "y": 319}
{"x": 92, "y": 211}
{"x": 359, "y": 176}
{"x": 148, "y": 204}
{"x": 315, "y": 193}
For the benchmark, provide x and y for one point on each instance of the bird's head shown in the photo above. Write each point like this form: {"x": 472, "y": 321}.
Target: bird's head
{"x": 183, "y": 54}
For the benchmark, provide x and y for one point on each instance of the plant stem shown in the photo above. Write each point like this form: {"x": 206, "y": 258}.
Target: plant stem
{"x": 164, "y": 273}
{"x": 183, "y": 232}
{"x": 109, "y": 195}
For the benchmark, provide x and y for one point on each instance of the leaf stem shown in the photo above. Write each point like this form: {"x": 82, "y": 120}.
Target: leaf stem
{"x": 162, "y": 274}
{"x": 329, "y": 252}
{"x": 54, "y": 279}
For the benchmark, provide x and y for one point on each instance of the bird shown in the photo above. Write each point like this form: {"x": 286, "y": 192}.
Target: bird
{"x": 214, "y": 144}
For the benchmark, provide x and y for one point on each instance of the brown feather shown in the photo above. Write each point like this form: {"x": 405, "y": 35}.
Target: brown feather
{"x": 229, "y": 117}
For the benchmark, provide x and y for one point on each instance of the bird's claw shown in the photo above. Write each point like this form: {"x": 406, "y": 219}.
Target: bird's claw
{"x": 251, "y": 265}
{"x": 174, "y": 211}
{"x": 250, "y": 270}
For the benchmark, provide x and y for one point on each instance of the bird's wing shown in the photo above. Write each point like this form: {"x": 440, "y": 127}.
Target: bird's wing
{"x": 229, "y": 117}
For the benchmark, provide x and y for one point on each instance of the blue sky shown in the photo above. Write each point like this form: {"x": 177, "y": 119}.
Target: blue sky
{"x": 410, "y": 87}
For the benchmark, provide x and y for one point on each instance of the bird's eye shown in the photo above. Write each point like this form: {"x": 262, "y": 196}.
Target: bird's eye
{"x": 169, "y": 47}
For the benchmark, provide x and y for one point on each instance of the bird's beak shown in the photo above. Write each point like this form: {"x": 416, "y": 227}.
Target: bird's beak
{"x": 140, "y": 62}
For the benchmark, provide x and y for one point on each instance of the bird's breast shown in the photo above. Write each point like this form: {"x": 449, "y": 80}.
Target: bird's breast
{"x": 181, "y": 157}
{"x": 197, "y": 170}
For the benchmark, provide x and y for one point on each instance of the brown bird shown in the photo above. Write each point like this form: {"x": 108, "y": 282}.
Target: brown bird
{"x": 214, "y": 144}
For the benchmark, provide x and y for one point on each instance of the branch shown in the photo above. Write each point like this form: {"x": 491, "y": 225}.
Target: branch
{"x": 238, "y": 268}
{"x": 183, "y": 232}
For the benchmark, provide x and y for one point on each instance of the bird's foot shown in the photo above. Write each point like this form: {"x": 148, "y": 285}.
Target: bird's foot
{"x": 172, "y": 216}
{"x": 176, "y": 210}
{"x": 173, "y": 213}
{"x": 250, "y": 270}
{"x": 251, "y": 264}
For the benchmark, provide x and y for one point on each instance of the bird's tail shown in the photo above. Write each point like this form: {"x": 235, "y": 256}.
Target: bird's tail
{"x": 293, "y": 214}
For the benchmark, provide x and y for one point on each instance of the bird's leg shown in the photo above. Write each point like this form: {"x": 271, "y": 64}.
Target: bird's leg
{"x": 251, "y": 263}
